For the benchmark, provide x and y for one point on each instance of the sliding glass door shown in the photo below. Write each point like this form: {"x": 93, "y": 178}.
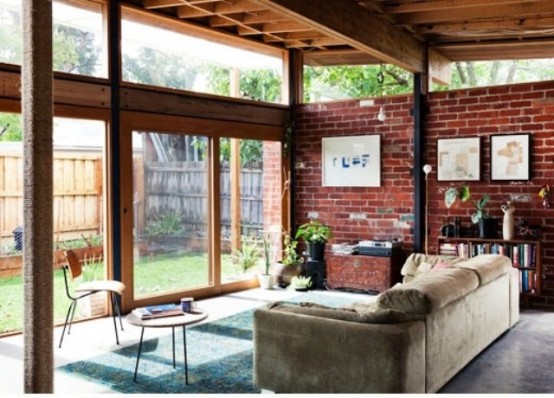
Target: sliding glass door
{"x": 171, "y": 213}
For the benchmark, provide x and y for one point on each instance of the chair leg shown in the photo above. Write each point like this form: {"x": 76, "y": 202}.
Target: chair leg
{"x": 69, "y": 310}
{"x": 72, "y": 316}
{"x": 114, "y": 304}
{"x": 118, "y": 310}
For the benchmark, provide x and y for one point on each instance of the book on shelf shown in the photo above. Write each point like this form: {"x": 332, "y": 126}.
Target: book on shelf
{"x": 158, "y": 311}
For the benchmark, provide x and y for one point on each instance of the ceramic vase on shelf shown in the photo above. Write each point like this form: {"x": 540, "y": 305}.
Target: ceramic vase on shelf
{"x": 508, "y": 225}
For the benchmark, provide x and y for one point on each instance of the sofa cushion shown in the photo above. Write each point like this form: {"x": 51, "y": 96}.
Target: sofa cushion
{"x": 418, "y": 264}
{"x": 487, "y": 266}
{"x": 361, "y": 312}
{"x": 427, "y": 294}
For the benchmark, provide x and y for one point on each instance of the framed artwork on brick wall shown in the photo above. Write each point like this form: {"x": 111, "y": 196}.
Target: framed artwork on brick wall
{"x": 353, "y": 161}
{"x": 459, "y": 159}
{"x": 511, "y": 157}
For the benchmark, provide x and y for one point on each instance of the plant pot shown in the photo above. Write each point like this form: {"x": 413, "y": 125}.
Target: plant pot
{"x": 266, "y": 281}
{"x": 316, "y": 251}
{"x": 488, "y": 228}
{"x": 285, "y": 273}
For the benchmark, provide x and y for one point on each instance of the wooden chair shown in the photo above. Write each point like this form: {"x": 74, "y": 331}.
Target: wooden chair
{"x": 86, "y": 289}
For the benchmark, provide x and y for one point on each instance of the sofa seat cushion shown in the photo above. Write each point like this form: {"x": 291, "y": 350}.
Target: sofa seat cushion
{"x": 427, "y": 294}
{"x": 488, "y": 267}
{"x": 417, "y": 265}
{"x": 360, "y": 312}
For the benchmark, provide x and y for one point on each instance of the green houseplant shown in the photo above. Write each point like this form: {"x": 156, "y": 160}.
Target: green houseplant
{"x": 316, "y": 235}
{"x": 248, "y": 255}
{"x": 291, "y": 262}
{"x": 265, "y": 278}
{"x": 301, "y": 283}
{"x": 481, "y": 216}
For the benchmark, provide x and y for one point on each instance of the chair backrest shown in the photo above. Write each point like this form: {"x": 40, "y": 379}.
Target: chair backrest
{"x": 75, "y": 267}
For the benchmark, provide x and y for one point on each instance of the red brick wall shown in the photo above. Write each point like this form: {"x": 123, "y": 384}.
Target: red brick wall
{"x": 521, "y": 108}
{"x": 389, "y": 207}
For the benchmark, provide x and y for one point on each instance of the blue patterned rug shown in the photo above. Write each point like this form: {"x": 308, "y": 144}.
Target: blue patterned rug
{"x": 219, "y": 358}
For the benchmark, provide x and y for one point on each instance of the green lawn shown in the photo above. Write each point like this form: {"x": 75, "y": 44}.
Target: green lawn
{"x": 152, "y": 275}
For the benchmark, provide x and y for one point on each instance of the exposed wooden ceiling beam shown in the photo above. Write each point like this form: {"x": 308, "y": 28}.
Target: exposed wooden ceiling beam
{"x": 407, "y": 6}
{"x": 478, "y": 28}
{"x": 497, "y": 50}
{"x": 523, "y": 10}
{"x": 357, "y": 27}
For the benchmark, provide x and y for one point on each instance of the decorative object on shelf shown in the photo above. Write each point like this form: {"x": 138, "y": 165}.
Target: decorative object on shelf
{"x": 526, "y": 231}
{"x": 508, "y": 226}
{"x": 316, "y": 235}
{"x": 381, "y": 116}
{"x": 459, "y": 159}
{"x": 427, "y": 169}
{"x": 510, "y": 157}
{"x": 544, "y": 194}
{"x": 352, "y": 161}
{"x": 487, "y": 225}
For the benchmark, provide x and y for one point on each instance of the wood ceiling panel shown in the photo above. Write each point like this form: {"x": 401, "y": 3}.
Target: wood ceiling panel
{"x": 394, "y": 31}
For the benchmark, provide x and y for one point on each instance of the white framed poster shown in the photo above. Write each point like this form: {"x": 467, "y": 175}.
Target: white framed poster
{"x": 510, "y": 157}
{"x": 353, "y": 161}
{"x": 459, "y": 159}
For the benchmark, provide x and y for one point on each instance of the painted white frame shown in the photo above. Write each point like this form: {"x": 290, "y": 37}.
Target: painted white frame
{"x": 353, "y": 161}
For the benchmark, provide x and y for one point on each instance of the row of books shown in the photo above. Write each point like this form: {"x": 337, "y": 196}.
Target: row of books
{"x": 521, "y": 254}
{"x": 158, "y": 311}
{"x": 527, "y": 281}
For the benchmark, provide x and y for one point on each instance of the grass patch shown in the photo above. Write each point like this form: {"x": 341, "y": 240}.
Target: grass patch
{"x": 153, "y": 275}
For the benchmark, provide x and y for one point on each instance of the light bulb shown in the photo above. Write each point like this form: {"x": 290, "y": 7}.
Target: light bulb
{"x": 427, "y": 169}
{"x": 381, "y": 116}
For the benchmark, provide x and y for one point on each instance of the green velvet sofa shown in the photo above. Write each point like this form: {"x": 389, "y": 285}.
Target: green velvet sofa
{"x": 412, "y": 338}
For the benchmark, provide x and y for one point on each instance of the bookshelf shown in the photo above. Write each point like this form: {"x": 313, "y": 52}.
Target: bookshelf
{"x": 525, "y": 256}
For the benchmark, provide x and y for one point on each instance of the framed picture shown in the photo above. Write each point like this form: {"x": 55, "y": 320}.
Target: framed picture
{"x": 511, "y": 157}
{"x": 459, "y": 159}
{"x": 353, "y": 161}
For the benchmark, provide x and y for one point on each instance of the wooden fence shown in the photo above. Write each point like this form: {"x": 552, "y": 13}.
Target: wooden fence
{"x": 180, "y": 189}
{"x": 77, "y": 194}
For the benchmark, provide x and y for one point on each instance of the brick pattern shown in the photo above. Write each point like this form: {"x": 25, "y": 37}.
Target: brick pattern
{"x": 521, "y": 108}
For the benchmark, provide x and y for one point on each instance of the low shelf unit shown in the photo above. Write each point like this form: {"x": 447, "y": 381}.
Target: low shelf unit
{"x": 525, "y": 256}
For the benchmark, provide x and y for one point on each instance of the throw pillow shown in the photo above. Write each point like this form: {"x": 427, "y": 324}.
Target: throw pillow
{"x": 440, "y": 265}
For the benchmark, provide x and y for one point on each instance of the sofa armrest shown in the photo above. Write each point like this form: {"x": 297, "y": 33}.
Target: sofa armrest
{"x": 297, "y": 353}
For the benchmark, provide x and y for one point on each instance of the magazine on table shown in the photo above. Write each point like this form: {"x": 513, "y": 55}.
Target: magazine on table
{"x": 158, "y": 311}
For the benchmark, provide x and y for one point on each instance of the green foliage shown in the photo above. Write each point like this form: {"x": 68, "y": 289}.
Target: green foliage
{"x": 267, "y": 259}
{"x": 249, "y": 254}
{"x": 314, "y": 232}
{"x": 290, "y": 255}
{"x": 480, "y": 211}
{"x": 463, "y": 194}
{"x": 453, "y": 194}
{"x": 93, "y": 269}
{"x": 11, "y": 122}
{"x": 353, "y": 81}
{"x": 251, "y": 152}
{"x": 168, "y": 223}
{"x": 301, "y": 282}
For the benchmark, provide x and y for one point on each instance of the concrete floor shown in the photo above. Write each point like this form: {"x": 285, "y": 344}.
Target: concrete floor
{"x": 520, "y": 362}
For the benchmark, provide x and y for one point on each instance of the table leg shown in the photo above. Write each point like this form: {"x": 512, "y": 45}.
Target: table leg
{"x": 138, "y": 355}
{"x": 185, "y": 351}
{"x": 173, "y": 341}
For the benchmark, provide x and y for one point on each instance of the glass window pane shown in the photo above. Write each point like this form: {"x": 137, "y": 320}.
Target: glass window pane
{"x": 162, "y": 57}
{"x": 78, "y": 213}
{"x": 78, "y": 37}
{"x": 250, "y": 206}
{"x": 171, "y": 242}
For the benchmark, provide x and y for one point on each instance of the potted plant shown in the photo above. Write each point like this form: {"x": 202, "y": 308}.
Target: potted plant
{"x": 316, "y": 235}
{"x": 265, "y": 278}
{"x": 301, "y": 283}
{"x": 481, "y": 216}
{"x": 248, "y": 255}
{"x": 291, "y": 262}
